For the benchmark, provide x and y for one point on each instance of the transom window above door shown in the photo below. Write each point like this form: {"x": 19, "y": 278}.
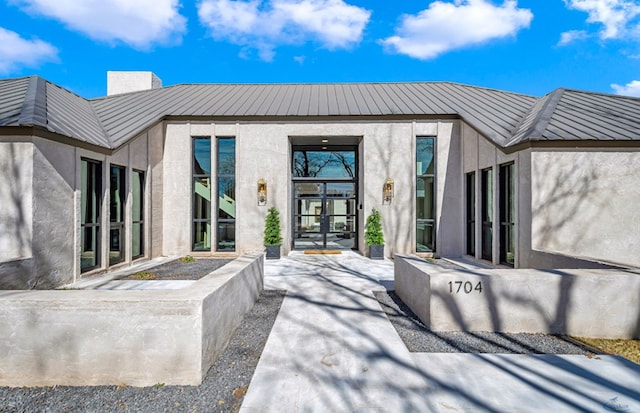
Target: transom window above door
{"x": 338, "y": 163}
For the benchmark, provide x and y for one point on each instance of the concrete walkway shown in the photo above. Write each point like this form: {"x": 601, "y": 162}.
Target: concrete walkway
{"x": 332, "y": 349}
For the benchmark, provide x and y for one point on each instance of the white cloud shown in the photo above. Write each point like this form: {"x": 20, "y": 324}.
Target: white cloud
{"x": 139, "y": 23}
{"x": 571, "y": 36}
{"x": 448, "y": 26}
{"x": 630, "y": 89}
{"x": 265, "y": 24}
{"x": 16, "y": 51}
{"x": 615, "y": 15}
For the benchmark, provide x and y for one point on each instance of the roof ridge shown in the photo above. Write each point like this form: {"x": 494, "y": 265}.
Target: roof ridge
{"x": 591, "y": 92}
{"x": 34, "y": 107}
{"x": 540, "y": 121}
{"x": 99, "y": 120}
{"x": 360, "y": 83}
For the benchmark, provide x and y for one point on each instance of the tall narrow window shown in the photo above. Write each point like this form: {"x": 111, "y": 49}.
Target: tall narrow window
{"x": 507, "y": 214}
{"x": 117, "y": 193}
{"x": 471, "y": 213}
{"x": 201, "y": 194}
{"x": 425, "y": 195}
{"x": 137, "y": 214}
{"x": 226, "y": 234}
{"x": 487, "y": 214}
{"x": 91, "y": 199}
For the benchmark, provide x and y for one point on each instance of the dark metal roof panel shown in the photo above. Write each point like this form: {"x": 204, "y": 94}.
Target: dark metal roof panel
{"x": 537, "y": 119}
{"x": 12, "y": 99}
{"x": 506, "y": 118}
{"x": 394, "y": 104}
{"x": 432, "y": 102}
{"x": 584, "y": 115}
{"x": 71, "y": 115}
{"x": 570, "y": 115}
{"x": 495, "y": 112}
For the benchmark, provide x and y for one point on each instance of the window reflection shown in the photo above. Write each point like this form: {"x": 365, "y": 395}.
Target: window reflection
{"x": 226, "y": 157}
{"x": 91, "y": 198}
{"x": 201, "y": 194}
{"x": 425, "y": 195}
{"x": 324, "y": 164}
{"x": 137, "y": 213}
{"x": 117, "y": 192}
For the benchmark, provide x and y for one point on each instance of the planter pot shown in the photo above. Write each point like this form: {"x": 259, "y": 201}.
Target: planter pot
{"x": 273, "y": 252}
{"x": 376, "y": 252}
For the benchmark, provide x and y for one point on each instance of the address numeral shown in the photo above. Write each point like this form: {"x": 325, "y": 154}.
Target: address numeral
{"x": 467, "y": 287}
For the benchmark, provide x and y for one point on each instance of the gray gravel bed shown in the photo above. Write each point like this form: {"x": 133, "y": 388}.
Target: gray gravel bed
{"x": 178, "y": 270}
{"x": 223, "y": 388}
{"x": 420, "y": 339}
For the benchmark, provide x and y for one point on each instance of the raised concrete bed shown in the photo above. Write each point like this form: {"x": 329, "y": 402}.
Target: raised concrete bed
{"x": 133, "y": 337}
{"x": 589, "y": 303}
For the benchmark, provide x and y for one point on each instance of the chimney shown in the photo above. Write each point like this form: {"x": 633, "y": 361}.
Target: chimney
{"x": 125, "y": 82}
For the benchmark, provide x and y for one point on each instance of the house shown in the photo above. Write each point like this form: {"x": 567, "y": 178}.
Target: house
{"x": 88, "y": 185}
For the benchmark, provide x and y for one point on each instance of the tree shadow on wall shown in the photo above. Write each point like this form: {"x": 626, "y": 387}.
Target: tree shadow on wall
{"x": 569, "y": 208}
{"x": 18, "y": 271}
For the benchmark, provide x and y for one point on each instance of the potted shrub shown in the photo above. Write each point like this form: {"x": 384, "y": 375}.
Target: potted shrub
{"x": 272, "y": 238}
{"x": 373, "y": 236}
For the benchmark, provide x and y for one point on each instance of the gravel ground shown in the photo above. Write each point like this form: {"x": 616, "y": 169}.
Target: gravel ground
{"x": 178, "y": 270}
{"x": 420, "y": 339}
{"x": 222, "y": 390}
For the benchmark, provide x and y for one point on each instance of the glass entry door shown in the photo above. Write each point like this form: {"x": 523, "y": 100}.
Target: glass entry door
{"x": 324, "y": 215}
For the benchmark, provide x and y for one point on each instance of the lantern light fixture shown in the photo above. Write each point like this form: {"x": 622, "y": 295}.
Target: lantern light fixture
{"x": 387, "y": 191}
{"x": 262, "y": 192}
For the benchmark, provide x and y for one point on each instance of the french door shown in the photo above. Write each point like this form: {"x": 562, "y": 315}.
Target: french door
{"x": 324, "y": 215}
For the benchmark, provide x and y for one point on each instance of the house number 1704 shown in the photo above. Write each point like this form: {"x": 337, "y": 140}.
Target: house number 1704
{"x": 467, "y": 287}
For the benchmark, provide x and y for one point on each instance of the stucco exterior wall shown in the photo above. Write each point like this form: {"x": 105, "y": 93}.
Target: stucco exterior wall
{"x": 177, "y": 176}
{"x": 16, "y": 194}
{"x": 131, "y": 81}
{"x": 40, "y": 188}
{"x": 53, "y": 213}
{"x": 16, "y": 214}
{"x": 585, "y": 204}
{"x": 263, "y": 150}
{"x": 155, "y": 189}
{"x": 449, "y": 190}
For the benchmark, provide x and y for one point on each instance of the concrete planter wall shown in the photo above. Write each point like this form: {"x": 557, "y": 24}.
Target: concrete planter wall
{"x": 139, "y": 338}
{"x": 579, "y": 302}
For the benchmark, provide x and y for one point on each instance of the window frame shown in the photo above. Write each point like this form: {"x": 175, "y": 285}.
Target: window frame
{"x": 507, "y": 211}
{"x": 222, "y": 221}
{"x": 194, "y": 200}
{"x": 470, "y": 211}
{"x": 140, "y": 175}
{"x": 421, "y": 176}
{"x": 118, "y": 223}
{"x": 486, "y": 213}
{"x": 97, "y": 196}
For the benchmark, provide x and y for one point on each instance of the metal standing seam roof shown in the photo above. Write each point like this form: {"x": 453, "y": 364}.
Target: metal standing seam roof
{"x": 573, "y": 115}
{"x": 495, "y": 113}
{"x": 12, "y": 99}
{"x": 506, "y": 118}
{"x": 32, "y": 101}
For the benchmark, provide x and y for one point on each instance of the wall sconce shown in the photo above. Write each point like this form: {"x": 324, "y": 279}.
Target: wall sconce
{"x": 262, "y": 192}
{"x": 387, "y": 191}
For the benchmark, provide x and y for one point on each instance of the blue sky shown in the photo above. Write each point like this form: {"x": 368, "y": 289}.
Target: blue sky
{"x": 526, "y": 46}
